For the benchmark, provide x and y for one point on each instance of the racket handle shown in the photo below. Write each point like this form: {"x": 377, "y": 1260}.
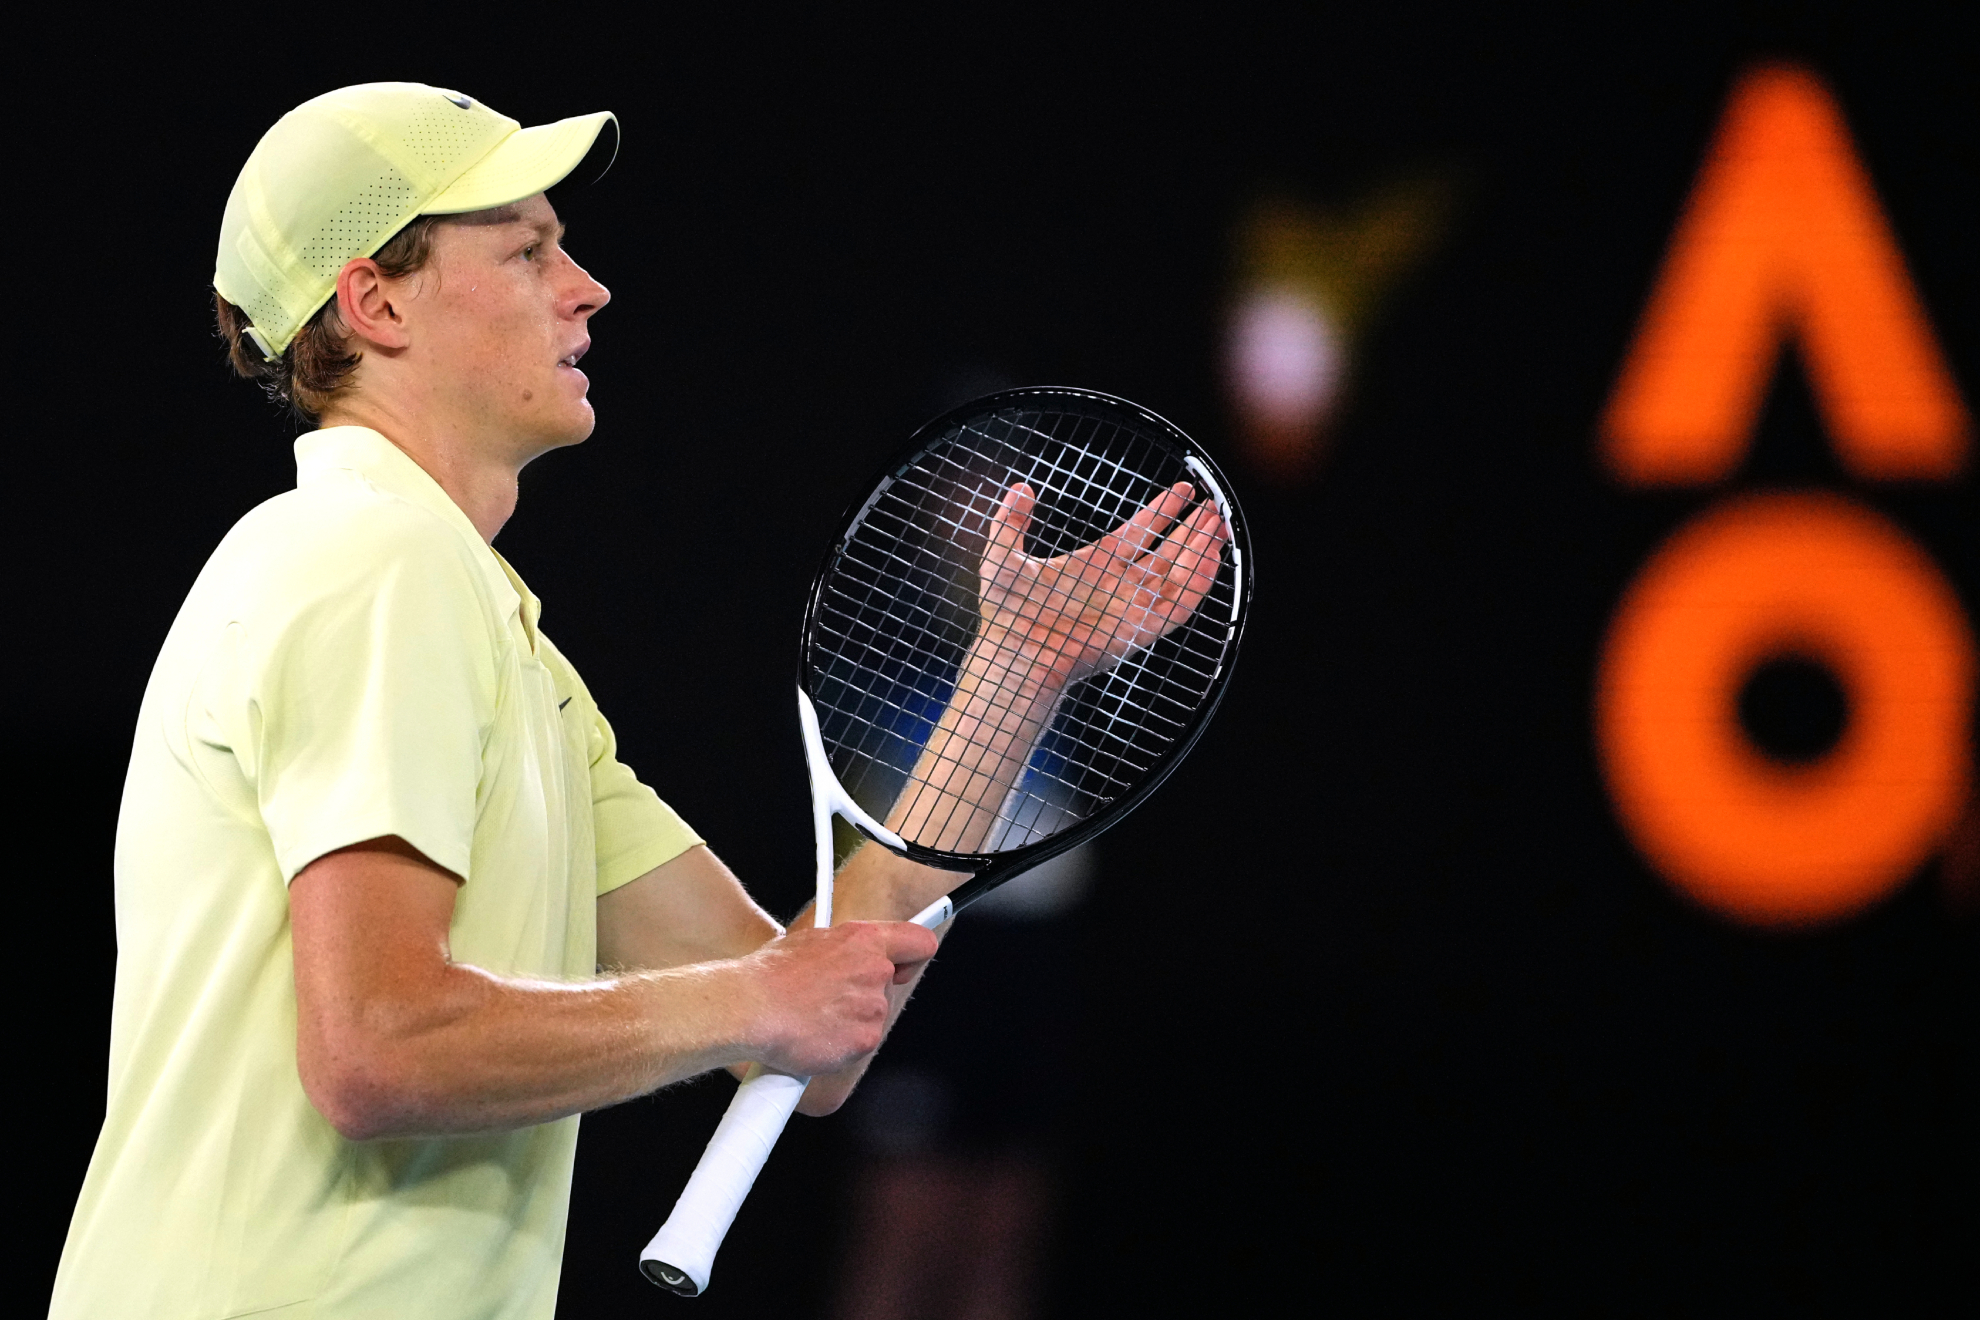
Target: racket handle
{"x": 682, "y": 1254}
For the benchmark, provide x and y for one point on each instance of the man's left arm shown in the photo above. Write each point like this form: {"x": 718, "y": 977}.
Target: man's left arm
{"x": 1045, "y": 624}
{"x": 693, "y": 910}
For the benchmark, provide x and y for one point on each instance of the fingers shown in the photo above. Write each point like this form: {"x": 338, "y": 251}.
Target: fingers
{"x": 1197, "y": 550}
{"x": 1187, "y": 567}
{"x": 907, "y": 946}
{"x": 1134, "y": 536}
{"x": 1202, "y": 548}
{"x": 1012, "y": 518}
{"x": 830, "y": 990}
{"x": 901, "y": 943}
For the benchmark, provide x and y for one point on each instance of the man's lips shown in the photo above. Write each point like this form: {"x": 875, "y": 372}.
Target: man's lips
{"x": 570, "y": 359}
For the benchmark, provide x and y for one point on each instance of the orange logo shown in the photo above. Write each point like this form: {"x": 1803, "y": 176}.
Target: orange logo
{"x": 1783, "y": 236}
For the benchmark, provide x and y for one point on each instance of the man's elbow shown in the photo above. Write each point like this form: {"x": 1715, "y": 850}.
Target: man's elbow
{"x": 361, "y": 1093}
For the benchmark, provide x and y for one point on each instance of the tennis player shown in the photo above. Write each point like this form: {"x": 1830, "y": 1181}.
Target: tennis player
{"x": 375, "y": 839}
{"x": 390, "y": 911}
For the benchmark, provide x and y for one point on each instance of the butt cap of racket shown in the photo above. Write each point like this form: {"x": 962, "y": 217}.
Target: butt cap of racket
{"x": 673, "y": 1280}
{"x": 681, "y": 1256}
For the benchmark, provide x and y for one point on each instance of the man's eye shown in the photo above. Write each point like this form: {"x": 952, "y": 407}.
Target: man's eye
{"x": 529, "y": 253}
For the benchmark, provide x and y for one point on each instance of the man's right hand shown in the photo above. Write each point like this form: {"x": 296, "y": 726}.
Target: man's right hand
{"x": 821, "y": 995}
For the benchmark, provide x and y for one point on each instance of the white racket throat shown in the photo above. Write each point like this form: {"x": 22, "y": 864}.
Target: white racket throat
{"x": 681, "y": 1255}
{"x": 828, "y": 798}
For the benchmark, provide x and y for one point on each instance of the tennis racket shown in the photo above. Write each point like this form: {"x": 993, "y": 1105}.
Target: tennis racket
{"x": 1024, "y": 626}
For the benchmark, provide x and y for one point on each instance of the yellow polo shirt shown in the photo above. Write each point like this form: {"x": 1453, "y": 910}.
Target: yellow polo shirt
{"x": 354, "y": 661}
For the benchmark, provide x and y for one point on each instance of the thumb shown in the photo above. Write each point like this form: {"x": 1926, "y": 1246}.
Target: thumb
{"x": 1013, "y": 516}
{"x": 908, "y": 944}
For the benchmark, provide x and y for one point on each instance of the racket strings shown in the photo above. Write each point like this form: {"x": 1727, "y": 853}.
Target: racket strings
{"x": 1016, "y": 810}
{"x": 900, "y": 609}
{"x": 1081, "y": 754}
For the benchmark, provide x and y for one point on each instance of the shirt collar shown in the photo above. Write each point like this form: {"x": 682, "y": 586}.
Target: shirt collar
{"x": 368, "y": 453}
{"x": 364, "y": 451}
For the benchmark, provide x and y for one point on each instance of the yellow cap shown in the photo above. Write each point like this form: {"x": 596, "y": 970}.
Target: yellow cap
{"x": 339, "y": 175}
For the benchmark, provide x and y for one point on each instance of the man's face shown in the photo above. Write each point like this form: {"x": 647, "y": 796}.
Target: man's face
{"x": 499, "y": 317}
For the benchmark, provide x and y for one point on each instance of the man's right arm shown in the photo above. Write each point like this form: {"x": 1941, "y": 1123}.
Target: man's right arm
{"x": 395, "y": 1039}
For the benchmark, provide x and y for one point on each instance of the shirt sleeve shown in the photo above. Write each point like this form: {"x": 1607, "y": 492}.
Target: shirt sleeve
{"x": 362, "y": 696}
{"x": 634, "y": 830}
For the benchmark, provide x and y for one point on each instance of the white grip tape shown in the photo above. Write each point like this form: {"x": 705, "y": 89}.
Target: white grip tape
{"x": 687, "y": 1242}
{"x": 683, "y": 1251}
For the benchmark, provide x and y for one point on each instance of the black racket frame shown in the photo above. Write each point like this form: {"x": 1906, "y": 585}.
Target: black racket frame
{"x": 990, "y": 870}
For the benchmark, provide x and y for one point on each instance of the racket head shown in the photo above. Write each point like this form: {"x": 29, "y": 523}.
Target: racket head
{"x": 893, "y": 609}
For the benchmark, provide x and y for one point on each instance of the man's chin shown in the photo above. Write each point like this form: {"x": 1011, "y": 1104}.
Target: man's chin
{"x": 573, "y": 427}
{"x": 561, "y": 434}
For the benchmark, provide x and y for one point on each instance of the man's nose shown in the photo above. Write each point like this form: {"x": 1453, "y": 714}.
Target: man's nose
{"x": 588, "y": 295}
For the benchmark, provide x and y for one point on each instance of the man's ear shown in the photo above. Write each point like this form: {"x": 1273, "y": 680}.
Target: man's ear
{"x": 368, "y": 304}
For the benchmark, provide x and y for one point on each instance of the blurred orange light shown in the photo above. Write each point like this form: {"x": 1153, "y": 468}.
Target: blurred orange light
{"x": 1756, "y": 578}
{"x": 1783, "y": 236}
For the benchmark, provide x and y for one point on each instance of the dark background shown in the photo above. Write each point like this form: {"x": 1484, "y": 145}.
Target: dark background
{"x": 1375, "y": 1006}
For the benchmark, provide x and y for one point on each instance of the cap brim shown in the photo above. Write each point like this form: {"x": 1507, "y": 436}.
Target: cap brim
{"x": 527, "y": 162}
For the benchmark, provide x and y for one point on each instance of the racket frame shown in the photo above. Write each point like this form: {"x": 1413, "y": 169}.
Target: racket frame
{"x": 681, "y": 1256}
{"x": 989, "y": 870}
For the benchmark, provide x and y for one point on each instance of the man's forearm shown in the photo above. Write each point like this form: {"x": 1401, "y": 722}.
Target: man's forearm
{"x": 478, "y": 1052}
{"x": 394, "y": 1038}
{"x": 1004, "y": 697}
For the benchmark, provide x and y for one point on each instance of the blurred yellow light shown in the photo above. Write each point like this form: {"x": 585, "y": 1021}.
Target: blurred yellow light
{"x": 1308, "y": 283}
